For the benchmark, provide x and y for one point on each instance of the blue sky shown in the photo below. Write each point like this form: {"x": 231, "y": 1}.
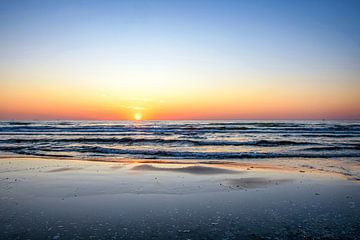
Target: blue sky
{"x": 326, "y": 31}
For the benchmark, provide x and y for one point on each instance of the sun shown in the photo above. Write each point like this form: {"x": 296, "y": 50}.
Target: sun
{"x": 137, "y": 116}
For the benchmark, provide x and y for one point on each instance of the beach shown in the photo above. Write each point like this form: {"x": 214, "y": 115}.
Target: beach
{"x": 179, "y": 180}
{"x": 44, "y": 198}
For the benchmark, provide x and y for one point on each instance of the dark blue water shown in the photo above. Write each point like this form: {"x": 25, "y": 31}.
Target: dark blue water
{"x": 182, "y": 139}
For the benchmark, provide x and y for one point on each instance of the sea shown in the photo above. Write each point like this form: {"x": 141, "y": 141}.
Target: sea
{"x": 203, "y": 140}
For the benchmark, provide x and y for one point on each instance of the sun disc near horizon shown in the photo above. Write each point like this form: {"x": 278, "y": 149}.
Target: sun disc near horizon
{"x": 137, "y": 116}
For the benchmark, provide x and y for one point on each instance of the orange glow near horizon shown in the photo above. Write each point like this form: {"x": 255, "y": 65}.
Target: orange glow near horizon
{"x": 73, "y": 104}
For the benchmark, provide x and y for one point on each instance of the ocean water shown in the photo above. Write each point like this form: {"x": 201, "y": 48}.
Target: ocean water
{"x": 232, "y": 140}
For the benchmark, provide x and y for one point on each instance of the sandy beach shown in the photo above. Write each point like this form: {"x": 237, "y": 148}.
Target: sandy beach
{"x": 44, "y": 198}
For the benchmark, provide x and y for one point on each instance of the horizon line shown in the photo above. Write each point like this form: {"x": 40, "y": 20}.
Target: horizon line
{"x": 145, "y": 120}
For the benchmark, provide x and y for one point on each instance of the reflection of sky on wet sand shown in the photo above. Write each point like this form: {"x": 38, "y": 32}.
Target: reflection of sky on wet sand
{"x": 187, "y": 169}
{"x": 140, "y": 199}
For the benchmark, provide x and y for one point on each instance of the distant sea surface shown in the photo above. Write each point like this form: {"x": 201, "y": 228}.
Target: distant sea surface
{"x": 225, "y": 140}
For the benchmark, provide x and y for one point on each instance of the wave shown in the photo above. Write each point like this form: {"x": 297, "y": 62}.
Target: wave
{"x": 130, "y": 140}
{"x": 334, "y": 148}
{"x": 180, "y": 128}
{"x": 97, "y": 151}
{"x": 19, "y": 123}
{"x": 25, "y": 128}
{"x": 210, "y": 155}
{"x": 334, "y": 135}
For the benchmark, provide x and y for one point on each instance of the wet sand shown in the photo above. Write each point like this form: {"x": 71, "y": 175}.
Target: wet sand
{"x": 151, "y": 199}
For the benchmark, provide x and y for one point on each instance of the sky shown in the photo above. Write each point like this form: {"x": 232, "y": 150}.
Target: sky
{"x": 120, "y": 60}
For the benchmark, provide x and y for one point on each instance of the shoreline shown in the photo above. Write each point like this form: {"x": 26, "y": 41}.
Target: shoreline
{"x": 301, "y": 165}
